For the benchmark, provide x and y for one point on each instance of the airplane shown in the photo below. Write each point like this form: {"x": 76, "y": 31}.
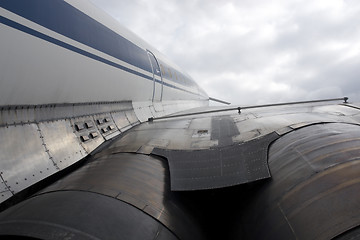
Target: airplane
{"x": 103, "y": 137}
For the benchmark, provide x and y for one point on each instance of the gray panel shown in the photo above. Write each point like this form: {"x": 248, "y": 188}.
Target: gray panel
{"x": 121, "y": 120}
{"x": 223, "y": 129}
{"x": 23, "y": 160}
{"x": 80, "y": 215}
{"x": 218, "y": 167}
{"x": 5, "y": 195}
{"x": 89, "y": 135}
{"x": 62, "y": 143}
{"x": 314, "y": 189}
{"x": 30, "y": 113}
{"x": 106, "y": 126}
{"x": 131, "y": 116}
{"x": 3, "y": 187}
{"x": 141, "y": 181}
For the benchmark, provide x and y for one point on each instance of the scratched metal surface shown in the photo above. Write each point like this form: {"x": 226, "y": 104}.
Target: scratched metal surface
{"x": 218, "y": 167}
{"x": 314, "y": 168}
{"x": 79, "y": 215}
{"x": 314, "y": 191}
{"x": 139, "y": 180}
{"x": 205, "y": 138}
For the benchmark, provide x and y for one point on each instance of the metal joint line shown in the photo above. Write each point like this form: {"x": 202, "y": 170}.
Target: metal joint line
{"x": 345, "y": 99}
{"x": 218, "y": 100}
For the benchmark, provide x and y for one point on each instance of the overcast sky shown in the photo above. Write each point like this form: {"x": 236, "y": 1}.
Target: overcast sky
{"x": 254, "y": 52}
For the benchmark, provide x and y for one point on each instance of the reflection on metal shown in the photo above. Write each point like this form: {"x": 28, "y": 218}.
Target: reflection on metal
{"x": 80, "y": 215}
{"x": 315, "y": 183}
{"x": 13, "y": 115}
{"x": 5, "y": 192}
{"x": 138, "y": 180}
{"x": 247, "y": 107}
{"x": 313, "y": 160}
{"x": 88, "y": 142}
{"x": 4, "y": 195}
{"x": 24, "y": 160}
{"x": 53, "y": 138}
{"x": 65, "y": 148}
{"x": 106, "y": 126}
{"x": 218, "y": 167}
{"x": 121, "y": 121}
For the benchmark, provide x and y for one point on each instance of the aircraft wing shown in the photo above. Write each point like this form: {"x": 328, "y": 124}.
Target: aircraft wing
{"x": 102, "y": 137}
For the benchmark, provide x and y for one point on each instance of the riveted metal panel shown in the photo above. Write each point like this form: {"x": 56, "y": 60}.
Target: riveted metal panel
{"x": 218, "y": 167}
{"x": 137, "y": 179}
{"x": 89, "y": 136}
{"x": 3, "y": 187}
{"x": 121, "y": 121}
{"x": 106, "y": 126}
{"x": 37, "y": 113}
{"x": 80, "y": 215}
{"x": 131, "y": 116}
{"x": 314, "y": 191}
{"x": 23, "y": 158}
{"x": 165, "y": 124}
{"x": 62, "y": 143}
{"x": 5, "y": 195}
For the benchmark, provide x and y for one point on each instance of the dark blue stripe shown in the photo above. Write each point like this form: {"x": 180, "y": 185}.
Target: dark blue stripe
{"x": 66, "y": 20}
{"x": 68, "y": 46}
{"x": 34, "y": 33}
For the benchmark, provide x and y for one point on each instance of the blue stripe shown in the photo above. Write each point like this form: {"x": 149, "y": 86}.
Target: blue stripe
{"x": 57, "y": 42}
{"x": 66, "y": 20}
{"x": 32, "y": 32}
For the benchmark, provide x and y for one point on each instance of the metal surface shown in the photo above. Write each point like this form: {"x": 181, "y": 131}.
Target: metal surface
{"x": 121, "y": 121}
{"x": 140, "y": 180}
{"x": 239, "y": 109}
{"x": 89, "y": 135}
{"x": 5, "y": 193}
{"x": 23, "y": 158}
{"x": 62, "y": 143}
{"x": 106, "y": 126}
{"x": 223, "y": 129}
{"x": 218, "y": 167}
{"x": 51, "y": 216}
{"x": 314, "y": 191}
{"x": 314, "y": 166}
{"x": 12, "y": 115}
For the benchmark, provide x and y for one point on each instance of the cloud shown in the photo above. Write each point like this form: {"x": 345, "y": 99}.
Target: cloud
{"x": 249, "y": 52}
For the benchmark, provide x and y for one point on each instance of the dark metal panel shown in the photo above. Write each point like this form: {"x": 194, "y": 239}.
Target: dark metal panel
{"x": 88, "y": 134}
{"x": 132, "y": 118}
{"x": 326, "y": 204}
{"x": 48, "y": 112}
{"x": 313, "y": 192}
{"x": 106, "y": 126}
{"x": 121, "y": 121}
{"x": 79, "y": 215}
{"x": 223, "y": 129}
{"x": 218, "y": 167}
{"x": 140, "y": 180}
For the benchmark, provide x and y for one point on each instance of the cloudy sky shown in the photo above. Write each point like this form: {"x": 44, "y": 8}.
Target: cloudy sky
{"x": 254, "y": 52}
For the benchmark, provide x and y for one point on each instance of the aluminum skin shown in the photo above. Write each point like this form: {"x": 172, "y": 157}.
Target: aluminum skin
{"x": 102, "y": 137}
